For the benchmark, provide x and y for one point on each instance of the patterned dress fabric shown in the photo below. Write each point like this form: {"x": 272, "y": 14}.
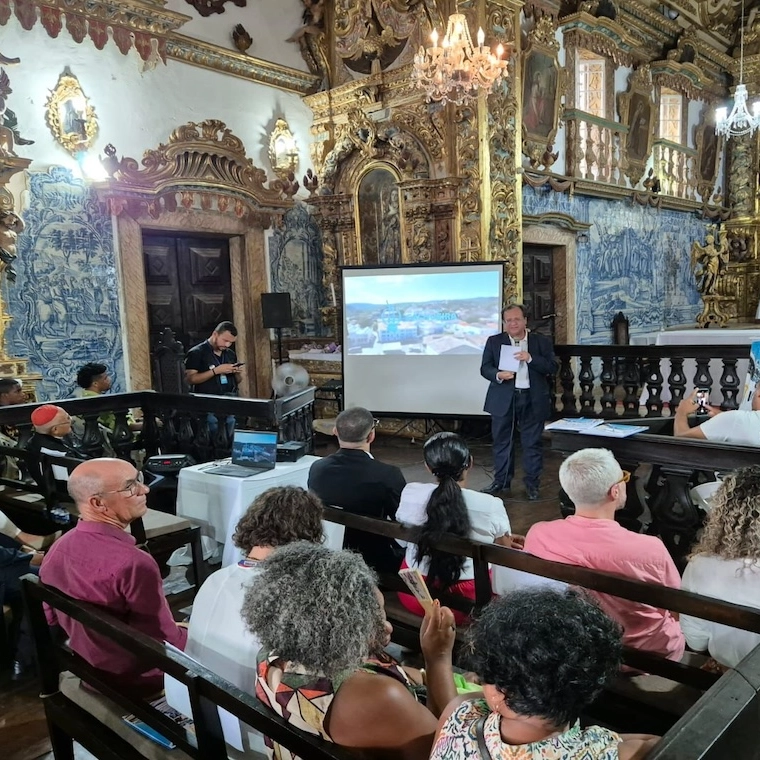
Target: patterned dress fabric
{"x": 458, "y": 740}
{"x": 303, "y": 699}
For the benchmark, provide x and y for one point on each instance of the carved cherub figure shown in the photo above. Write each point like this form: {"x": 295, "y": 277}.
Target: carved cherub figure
{"x": 313, "y": 19}
{"x": 11, "y": 225}
{"x": 708, "y": 262}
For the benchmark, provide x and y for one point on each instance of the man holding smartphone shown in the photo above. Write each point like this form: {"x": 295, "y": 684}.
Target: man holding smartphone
{"x": 212, "y": 366}
{"x": 735, "y": 426}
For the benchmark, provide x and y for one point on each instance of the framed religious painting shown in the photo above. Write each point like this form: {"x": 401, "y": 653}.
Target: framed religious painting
{"x": 709, "y": 146}
{"x": 638, "y": 113}
{"x": 542, "y": 89}
{"x": 70, "y": 116}
{"x": 379, "y": 216}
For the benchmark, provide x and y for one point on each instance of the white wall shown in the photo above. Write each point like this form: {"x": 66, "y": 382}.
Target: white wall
{"x": 137, "y": 110}
{"x": 269, "y": 22}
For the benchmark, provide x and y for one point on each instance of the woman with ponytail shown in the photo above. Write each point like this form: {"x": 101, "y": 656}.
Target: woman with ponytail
{"x": 448, "y": 507}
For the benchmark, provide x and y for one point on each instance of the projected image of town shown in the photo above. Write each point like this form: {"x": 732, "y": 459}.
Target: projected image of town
{"x": 424, "y": 314}
{"x": 251, "y": 448}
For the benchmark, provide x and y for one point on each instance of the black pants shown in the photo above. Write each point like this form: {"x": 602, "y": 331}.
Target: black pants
{"x": 520, "y": 418}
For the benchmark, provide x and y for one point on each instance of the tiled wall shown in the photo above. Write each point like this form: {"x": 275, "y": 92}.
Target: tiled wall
{"x": 635, "y": 259}
{"x": 65, "y": 302}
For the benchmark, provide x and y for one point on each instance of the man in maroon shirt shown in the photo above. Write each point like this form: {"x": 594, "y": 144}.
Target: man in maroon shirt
{"x": 98, "y": 562}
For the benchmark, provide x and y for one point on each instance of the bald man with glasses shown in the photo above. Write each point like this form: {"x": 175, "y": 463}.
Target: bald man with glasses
{"x": 98, "y": 562}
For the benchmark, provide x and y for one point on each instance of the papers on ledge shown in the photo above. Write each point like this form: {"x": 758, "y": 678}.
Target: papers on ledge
{"x": 577, "y": 424}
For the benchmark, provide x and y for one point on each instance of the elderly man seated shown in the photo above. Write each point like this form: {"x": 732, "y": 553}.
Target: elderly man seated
{"x": 739, "y": 426}
{"x": 98, "y": 562}
{"x": 592, "y": 538}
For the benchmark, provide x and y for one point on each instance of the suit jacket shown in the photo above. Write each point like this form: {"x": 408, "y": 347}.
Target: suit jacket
{"x": 352, "y": 480}
{"x": 543, "y": 363}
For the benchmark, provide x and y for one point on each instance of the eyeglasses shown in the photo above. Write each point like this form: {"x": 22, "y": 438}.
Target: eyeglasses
{"x": 132, "y": 487}
{"x": 626, "y": 477}
{"x": 375, "y": 423}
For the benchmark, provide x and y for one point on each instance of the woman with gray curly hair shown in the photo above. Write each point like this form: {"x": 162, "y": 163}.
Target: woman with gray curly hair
{"x": 321, "y": 621}
{"x": 725, "y": 564}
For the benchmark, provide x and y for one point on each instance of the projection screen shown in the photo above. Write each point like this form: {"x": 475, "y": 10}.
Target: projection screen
{"x": 414, "y": 336}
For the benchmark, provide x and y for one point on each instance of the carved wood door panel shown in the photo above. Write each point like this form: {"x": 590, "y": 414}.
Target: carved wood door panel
{"x": 187, "y": 281}
{"x": 538, "y": 288}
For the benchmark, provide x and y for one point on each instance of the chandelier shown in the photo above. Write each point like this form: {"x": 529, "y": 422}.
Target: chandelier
{"x": 457, "y": 71}
{"x": 739, "y": 122}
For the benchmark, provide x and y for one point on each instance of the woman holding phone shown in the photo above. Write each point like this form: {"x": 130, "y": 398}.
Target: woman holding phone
{"x": 448, "y": 506}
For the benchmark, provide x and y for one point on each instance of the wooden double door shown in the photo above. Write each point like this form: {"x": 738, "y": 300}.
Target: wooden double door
{"x": 538, "y": 288}
{"x": 188, "y": 284}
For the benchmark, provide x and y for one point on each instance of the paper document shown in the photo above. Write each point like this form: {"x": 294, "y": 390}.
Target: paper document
{"x": 507, "y": 361}
{"x": 612, "y": 430}
{"x": 574, "y": 423}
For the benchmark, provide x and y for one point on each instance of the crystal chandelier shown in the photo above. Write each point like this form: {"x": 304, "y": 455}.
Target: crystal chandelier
{"x": 457, "y": 71}
{"x": 739, "y": 122}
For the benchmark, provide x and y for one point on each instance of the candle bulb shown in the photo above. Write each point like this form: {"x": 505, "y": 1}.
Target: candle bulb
{"x": 500, "y": 50}
{"x": 332, "y": 293}
{"x": 481, "y": 37}
{"x": 434, "y": 38}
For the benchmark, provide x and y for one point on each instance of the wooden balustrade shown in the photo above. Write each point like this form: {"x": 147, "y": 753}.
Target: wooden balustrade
{"x": 595, "y": 148}
{"x": 608, "y": 381}
{"x": 675, "y": 167}
{"x": 178, "y": 423}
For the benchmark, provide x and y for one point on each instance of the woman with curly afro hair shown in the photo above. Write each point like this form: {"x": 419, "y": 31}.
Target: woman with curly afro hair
{"x": 725, "y": 564}
{"x": 542, "y": 656}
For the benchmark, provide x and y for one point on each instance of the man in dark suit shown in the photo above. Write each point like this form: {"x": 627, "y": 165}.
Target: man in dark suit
{"x": 354, "y": 480}
{"x": 518, "y": 400}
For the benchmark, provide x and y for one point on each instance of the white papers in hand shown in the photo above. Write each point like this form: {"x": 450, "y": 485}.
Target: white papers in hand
{"x": 507, "y": 361}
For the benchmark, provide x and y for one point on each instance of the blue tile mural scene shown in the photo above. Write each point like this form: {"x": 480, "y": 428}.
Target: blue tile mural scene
{"x": 636, "y": 260}
{"x": 65, "y": 302}
{"x": 295, "y": 262}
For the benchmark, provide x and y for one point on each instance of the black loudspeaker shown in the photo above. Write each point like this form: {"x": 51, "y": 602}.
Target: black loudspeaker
{"x": 275, "y": 310}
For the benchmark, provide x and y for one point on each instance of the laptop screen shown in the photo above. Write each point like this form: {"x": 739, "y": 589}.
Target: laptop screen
{"x": 252, "y": 448}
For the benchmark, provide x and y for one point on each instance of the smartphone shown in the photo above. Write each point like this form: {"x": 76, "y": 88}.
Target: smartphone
{"x": 238, "y": 364}
{"x": 703, "y": 397}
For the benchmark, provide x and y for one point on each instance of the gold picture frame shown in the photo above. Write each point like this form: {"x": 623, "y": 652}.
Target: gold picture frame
{"x": 70, "y": 116}
{"x": 638, "y": 113}
{"x": 709, "y": 148}
{"x": 543, "y": 86}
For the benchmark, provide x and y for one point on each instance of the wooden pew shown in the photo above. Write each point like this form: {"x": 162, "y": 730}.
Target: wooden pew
{"x": 406, "y": 625}
{"x": 93, "y": 717}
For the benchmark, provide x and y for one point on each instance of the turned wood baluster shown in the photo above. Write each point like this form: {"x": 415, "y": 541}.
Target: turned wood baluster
{"x": 586, "y": 381}
{"x": 702, "y": 376}
{"x": 631, "y": 386}
{"x": 654, "y": 388}
{"x": 676, "y": 383}
{"x": 567, "y": 378}
{"x": 615, "y": 174}
{"x": 608, "y": 381}
{"x": 589, "y": 155}
{"x": 729, "y": 385}
{"x": 573, "y": 140}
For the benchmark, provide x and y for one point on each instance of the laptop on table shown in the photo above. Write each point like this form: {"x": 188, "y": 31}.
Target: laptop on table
{"x": 253, "y": 452}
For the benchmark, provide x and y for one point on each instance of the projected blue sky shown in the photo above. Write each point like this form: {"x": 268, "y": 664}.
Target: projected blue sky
{"x": 418, "y": 288}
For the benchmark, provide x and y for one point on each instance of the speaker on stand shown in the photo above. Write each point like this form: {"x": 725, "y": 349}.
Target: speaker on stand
{"x": 276, "y": 313}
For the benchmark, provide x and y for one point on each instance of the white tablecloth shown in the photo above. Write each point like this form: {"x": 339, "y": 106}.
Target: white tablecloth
{"x": 217, "y": 502}
{"x": 696, "y": 337}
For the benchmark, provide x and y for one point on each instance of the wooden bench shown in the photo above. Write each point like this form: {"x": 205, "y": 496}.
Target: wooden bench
{"x": 659, "y": 698}
{"x": 82, "y": 705}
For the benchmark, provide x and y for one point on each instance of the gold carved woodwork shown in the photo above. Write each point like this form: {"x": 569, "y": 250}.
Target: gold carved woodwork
{"x": 197, "y": 157}
{"x": 543, "y": 87}
{"x": 70, "y": 116}
{"x": 283, "y": 151}
{"x": 638, "y": 116}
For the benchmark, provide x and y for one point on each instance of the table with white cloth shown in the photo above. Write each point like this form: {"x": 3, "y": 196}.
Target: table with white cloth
{"x": 217, "y": 502}
{"x": 698, "y": 337}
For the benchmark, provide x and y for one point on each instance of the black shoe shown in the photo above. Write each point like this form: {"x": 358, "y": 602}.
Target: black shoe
{"x": 532, "y": 493}
{"x": 494, "y": 488}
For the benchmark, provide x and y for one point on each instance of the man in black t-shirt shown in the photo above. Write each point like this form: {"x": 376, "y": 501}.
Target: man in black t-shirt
{"x": 212, "y": 366}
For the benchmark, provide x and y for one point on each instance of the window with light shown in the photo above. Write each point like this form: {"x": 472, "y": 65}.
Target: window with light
{"x": 671, "y": 115}
{"x": 590, "y": 84}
